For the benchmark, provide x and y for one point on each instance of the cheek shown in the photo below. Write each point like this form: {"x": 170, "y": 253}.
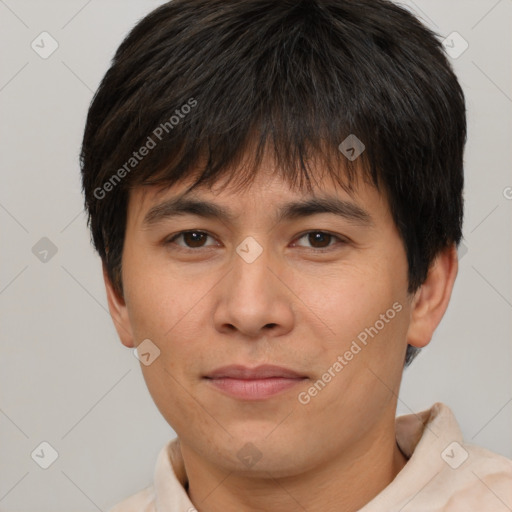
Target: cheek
{"x": 168, "y": 307}
{"x": 365, "y": 307}
{"x": 350, "y": 299}
{"x": 159, "y": 298}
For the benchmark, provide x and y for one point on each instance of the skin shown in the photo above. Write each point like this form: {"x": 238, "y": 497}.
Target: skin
{"x": 294, "y": 306}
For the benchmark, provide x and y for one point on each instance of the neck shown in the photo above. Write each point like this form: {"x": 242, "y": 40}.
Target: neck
{"x": 343, "y": 483}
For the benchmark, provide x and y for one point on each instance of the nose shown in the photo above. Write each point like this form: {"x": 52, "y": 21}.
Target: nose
{"x": 255, "y": 299}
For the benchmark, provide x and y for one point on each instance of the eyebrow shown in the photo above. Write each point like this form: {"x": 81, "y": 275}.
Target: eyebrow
{"x": 181, "y": 205}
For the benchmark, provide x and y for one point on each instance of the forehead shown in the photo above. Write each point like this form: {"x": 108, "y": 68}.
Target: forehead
{"x": 268, "y": 192}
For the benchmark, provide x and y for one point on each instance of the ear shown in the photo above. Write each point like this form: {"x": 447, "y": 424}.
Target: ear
{"x": 118, "y": 312}
{"x": 431, "y": 300}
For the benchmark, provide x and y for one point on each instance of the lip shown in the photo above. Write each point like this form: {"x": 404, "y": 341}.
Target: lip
{"x": 259, "y": 372}
{"x": 253, "y": 383}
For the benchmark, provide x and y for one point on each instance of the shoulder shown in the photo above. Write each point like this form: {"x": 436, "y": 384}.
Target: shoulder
{"x": 488, "y": 481}
{"x": 446, "y": 474}
{"x": 142, "y": 501}
{"x": 479, "y": 481}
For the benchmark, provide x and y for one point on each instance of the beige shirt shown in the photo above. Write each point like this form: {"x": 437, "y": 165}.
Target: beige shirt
{"x": 442, "y": 474}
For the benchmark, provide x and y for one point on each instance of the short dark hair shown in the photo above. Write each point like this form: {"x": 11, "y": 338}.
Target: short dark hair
{"x": 196, "y": 82}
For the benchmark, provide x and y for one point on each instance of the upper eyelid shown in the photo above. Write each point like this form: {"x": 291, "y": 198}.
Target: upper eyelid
{"x": 341, "y": 238}
{"x": 180, "y": 233}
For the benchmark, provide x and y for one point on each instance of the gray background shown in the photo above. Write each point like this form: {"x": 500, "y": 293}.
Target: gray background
{"x": 64, "y": 376}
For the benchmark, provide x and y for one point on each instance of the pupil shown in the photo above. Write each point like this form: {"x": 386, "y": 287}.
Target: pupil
{"x": 319, "y": 237}
{"x": 194, "y": 237}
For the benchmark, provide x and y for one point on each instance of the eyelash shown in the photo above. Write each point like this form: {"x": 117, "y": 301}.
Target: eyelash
{"x": 171, "y": 240}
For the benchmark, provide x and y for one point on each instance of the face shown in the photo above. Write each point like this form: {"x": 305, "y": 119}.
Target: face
{"x": 322, "y": 294}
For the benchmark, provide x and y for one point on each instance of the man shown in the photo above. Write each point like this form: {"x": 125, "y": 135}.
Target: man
{"x": 275, "y": 190}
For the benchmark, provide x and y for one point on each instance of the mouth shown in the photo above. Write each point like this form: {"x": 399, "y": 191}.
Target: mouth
{"x": 254, "y": 383}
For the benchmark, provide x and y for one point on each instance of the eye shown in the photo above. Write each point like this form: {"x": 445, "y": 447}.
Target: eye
{"x": 192, "y": 239}
{"x": 320, "y": 239}
{"x": 195, "y": 239}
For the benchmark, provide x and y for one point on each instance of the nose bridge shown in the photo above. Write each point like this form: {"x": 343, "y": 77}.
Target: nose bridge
{"x": 252, "y": 298}
{"x": 250, "y": 272}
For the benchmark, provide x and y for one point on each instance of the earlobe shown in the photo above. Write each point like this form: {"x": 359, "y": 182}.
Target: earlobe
{"x": 118, "y": 312}
{"x": 432, "y": 298}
